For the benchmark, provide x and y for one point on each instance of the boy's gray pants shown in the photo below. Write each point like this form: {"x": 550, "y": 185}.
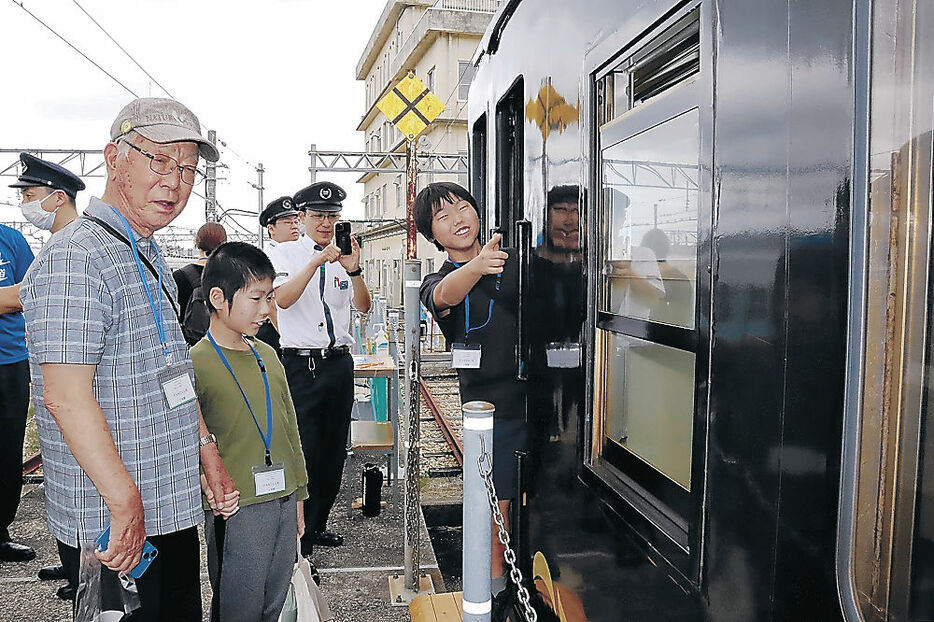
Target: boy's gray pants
{"x": 250, "y": 560}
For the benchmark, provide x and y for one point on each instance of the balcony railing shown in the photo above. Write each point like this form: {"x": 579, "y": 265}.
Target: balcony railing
{"x": 478, "y": 6}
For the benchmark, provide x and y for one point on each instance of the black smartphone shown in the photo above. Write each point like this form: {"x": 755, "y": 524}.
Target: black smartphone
{"x": 342, "y": 238}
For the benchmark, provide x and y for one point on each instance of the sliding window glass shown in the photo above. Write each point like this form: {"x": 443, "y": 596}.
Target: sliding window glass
{"x": 648, "y": 206}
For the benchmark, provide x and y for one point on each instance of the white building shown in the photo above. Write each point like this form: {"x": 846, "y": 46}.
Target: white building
{"x": 436, "y": 39}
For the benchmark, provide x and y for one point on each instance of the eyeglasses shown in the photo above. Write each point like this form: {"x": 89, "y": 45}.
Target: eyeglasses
{"x": 322, "y": 216}
{"x": 162, "y": 164}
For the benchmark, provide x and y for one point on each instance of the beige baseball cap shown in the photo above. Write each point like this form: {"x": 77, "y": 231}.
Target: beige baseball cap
{"x": 162, "y": 121}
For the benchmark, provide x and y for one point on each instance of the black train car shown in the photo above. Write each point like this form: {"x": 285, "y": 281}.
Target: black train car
{"x": 729, "y": 315}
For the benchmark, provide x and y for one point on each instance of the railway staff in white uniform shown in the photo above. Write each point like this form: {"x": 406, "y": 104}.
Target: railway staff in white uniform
{"x": 315, "y": 287}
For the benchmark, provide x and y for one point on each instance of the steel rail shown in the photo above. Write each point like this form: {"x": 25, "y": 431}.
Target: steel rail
{"x": 32, "y": 463}
{"x": 457, "y": 447}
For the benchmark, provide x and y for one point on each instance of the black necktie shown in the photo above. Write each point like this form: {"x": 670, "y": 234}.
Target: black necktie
{"x": 322, "y": 276}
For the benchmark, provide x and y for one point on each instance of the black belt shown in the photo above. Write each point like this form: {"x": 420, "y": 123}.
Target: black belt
{"x": 318, "y": 353}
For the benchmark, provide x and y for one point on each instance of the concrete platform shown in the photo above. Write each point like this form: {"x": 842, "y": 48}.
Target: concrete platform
{"x": 354, "y": 577}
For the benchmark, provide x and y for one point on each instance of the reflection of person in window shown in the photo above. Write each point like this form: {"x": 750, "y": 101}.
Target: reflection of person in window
{"x": 632, "y": 271}
{"x": 557, "y": 313}
{"x": 675, "y": 306}
{"x": 562, "y": 243}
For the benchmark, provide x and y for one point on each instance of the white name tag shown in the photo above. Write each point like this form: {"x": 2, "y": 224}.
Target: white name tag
{"x": 269, "y": 479}
{"x": 564, "y": 355}
{"x": 465, "y": 356}
{"x": 176, "y": 385}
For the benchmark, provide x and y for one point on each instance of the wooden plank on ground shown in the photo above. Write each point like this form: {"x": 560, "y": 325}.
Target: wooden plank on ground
{"x": 437, "y": 608}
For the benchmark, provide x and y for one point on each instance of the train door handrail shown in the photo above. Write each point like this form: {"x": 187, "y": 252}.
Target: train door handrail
{"x": 859, "y": 215}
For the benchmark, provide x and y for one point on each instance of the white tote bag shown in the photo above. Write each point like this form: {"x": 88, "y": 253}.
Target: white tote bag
{"x": 305, "y": 602}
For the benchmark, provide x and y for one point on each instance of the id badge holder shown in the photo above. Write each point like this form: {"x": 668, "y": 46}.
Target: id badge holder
{"x": 269, "y": 479}
{"x": 465, "y": 356}
{"x": 175, "y": 382}
{"x": 563, "y": 355}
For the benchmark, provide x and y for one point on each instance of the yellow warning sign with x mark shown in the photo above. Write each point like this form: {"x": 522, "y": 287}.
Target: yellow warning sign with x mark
{"x": 410, "y": 106}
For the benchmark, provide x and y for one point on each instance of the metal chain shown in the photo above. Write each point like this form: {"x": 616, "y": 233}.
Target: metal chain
{"x": 412, "y": 501}
{"x": 508, "y": 554}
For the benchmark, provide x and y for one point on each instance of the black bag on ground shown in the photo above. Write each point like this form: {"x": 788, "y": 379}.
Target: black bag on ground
{"x": 507, "y": 608}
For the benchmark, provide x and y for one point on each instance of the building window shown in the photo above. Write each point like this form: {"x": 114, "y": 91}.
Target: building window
{"x": 431, "y": 79}
{"x": 465, "y": 74}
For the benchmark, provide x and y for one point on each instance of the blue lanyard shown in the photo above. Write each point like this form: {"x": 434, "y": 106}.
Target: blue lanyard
{"x": 267, "y": 438}
{"x": 156, "y": 313}
{"x": 489, "y": 313}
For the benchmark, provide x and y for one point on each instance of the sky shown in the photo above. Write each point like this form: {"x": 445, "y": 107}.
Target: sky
{"x": 271, "y": 77}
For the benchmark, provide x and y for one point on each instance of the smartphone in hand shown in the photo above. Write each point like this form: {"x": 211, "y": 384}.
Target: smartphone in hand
{"x": 149, "y": 553}
{"x": 342, "y": 238}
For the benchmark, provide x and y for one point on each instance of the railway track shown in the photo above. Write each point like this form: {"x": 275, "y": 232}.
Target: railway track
{"x": 441, "y": 422}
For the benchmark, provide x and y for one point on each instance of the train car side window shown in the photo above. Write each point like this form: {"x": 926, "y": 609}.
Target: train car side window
{"x": 647, "y": 112}
{"x": 650, "y": 251}
{"x": 478, "y": 162}
{"x": 510, "y": 142}
{"x": 671, "y": 58}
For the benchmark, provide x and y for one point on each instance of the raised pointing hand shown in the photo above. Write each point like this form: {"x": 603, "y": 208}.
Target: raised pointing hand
{"x": 491, "y": 260}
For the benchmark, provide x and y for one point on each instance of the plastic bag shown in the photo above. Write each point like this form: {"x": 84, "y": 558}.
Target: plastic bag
{"x": 304, "y": 602}
{"x": 102, "y": 596}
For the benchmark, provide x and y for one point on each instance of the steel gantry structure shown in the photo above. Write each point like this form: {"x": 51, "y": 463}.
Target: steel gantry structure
{"x": 383, "y": 162}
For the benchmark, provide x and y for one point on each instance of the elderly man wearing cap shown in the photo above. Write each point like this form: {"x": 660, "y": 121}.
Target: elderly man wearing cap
{"x": 49, "y": 192}
{"x": 118, "y": 421}
{"x": 315, "y": 287}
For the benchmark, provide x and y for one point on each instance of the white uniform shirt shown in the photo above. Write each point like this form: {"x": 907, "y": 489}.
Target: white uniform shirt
{"x": 305, "y": 323}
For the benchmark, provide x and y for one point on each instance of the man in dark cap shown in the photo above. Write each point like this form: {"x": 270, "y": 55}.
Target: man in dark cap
{"x": 48, "y": 191}
{"x": 315, "y": 288}
{"x": 282, "y": 220}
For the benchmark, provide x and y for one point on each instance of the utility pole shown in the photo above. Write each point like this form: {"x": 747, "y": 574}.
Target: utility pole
{"x": 259, "y": 206}
{"x": 312, "y": 169}
{"x": 412, "y": 107}
{"x": 210, "y": 185}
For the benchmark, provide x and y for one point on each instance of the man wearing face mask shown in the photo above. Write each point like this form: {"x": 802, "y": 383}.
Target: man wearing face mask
{"x": 48, "y": 192}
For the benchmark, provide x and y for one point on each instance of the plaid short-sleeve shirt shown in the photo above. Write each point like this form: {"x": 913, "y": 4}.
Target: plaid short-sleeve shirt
{"x": 85, "y": 304}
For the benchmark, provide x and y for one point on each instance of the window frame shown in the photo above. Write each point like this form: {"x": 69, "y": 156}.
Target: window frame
{"x": 675, "y": 533}
{"x": 510, "y": 162}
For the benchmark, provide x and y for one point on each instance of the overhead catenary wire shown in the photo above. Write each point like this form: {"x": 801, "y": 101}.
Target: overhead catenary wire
{"x": 122, "y": 49}
{"x": 110, "y": 75}
{"x": 72, "y": 46}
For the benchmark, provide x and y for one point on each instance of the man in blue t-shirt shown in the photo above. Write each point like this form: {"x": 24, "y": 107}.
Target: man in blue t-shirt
{"x": 15, "y": 257}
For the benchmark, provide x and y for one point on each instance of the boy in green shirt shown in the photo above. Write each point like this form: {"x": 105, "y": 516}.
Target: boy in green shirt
{"x": 245, "y": 400}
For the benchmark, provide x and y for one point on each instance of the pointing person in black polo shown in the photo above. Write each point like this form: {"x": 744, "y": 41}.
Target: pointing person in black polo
{"x": 315, "y": 286}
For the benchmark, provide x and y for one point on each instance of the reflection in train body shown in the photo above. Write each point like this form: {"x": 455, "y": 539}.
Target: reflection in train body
{"x": 729, "y": 310}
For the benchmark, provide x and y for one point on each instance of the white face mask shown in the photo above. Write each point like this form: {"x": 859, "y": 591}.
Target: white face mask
{"x": 34, "y": 213}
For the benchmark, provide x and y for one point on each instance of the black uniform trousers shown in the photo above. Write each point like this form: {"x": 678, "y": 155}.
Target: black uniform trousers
{"x": 170, "y": 589}
{"x": 322, "y": 390}
{"x": 14, "y": 402}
